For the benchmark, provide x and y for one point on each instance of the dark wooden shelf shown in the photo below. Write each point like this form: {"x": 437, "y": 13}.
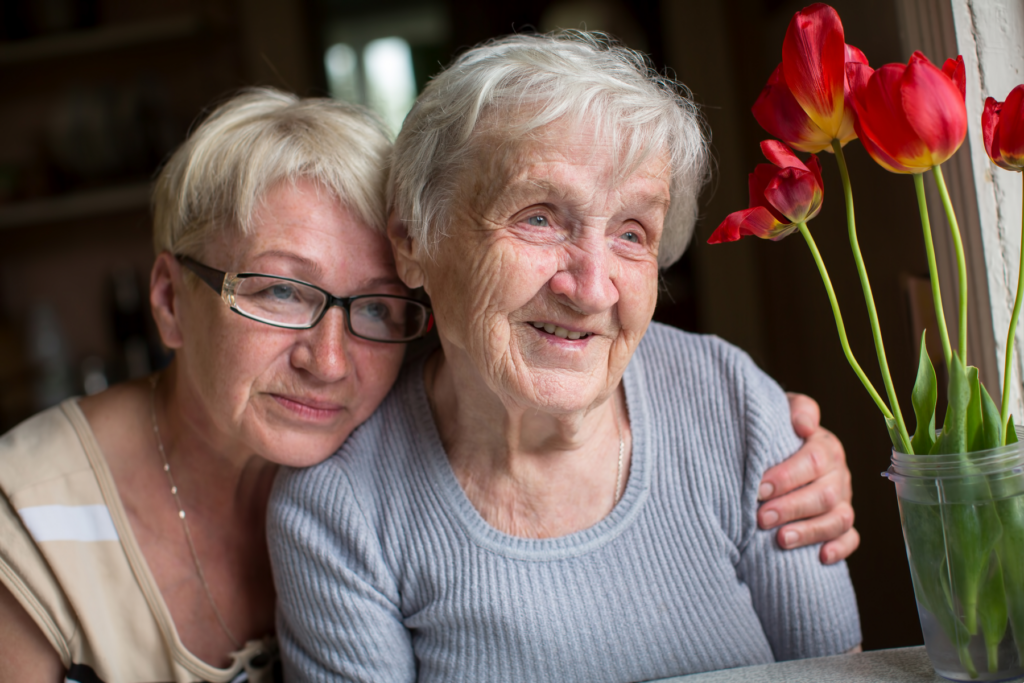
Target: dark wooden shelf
{"x": 76, "y": 205}
{"x": 100, "y": 39}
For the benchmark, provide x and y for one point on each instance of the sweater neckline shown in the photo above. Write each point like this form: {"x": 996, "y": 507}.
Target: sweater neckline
{"x": 443, "y": 480}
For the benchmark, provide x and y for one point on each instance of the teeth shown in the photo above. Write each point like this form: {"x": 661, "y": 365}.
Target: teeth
{"x": 560, "y": 332}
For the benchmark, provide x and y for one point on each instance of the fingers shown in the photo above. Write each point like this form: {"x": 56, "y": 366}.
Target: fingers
{"x": 841, "y": 548}
{"x": 804, "y": 413}
{"x": 821, "y": 453}
{"x": 824, "y": 528}
{"x": 822, "y": 496}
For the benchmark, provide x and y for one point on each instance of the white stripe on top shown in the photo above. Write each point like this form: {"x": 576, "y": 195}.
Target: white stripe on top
{"x": 69, "y": 523}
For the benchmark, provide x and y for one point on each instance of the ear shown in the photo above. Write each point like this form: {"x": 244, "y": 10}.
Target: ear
{"x": 166, "y": 286}
{"x": 407, "y": 253}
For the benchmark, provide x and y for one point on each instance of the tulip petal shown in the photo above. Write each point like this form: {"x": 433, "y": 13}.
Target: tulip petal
{"x": 847, "y": 131}
{"x": 757, "y": 182}
{"x": 796, "y": 194}
{"x": 1011, "y": 129}
{"x": 934, "y": 107}
{"x": 854, "y": 54}
{"x": 780, "y": 114}
{"x": 881, "y": 117}
{"x": 813, "y": 62}
{"x": 756, "y": 222}
{"x": 781, "y": 155}
{"x": 815, "y": 168}
{"x": 990, "y": 131}
{"x": 857, "y": 77}
{"x": 954, "y": 68}
{"x": 880, "y": 157}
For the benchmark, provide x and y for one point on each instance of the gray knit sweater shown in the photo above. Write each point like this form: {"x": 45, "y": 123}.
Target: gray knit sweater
{"x": 386, "y": 572}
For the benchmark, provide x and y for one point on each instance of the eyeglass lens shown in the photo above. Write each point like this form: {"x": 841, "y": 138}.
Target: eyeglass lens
{"x": 296, "y": 305}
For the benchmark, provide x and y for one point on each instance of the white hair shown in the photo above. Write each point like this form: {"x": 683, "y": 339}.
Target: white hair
{"x": 514, "y": 86}
{"x": 220, "y": 174}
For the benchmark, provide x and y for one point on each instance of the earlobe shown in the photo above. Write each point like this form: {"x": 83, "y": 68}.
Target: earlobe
{"x": 165, "y": 283}
{"x": 407, "y": 253}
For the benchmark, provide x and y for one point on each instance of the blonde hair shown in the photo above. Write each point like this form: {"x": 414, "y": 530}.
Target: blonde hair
{"x": 219, "y": 175}
{"x": 510, "y": 87}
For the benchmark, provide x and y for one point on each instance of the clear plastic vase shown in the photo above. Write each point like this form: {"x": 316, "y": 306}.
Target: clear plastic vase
{"x": 963, "y": 523}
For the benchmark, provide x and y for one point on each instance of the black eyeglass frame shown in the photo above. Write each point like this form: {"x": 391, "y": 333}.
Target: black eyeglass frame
{"x": 221, "y": 282}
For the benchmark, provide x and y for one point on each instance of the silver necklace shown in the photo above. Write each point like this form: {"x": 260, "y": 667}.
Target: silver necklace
{"x": 181, "y": 513}
{"x": 622, "y": 450}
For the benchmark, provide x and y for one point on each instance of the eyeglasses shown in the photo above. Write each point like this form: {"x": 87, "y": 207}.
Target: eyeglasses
{"x": 297, "y": 305}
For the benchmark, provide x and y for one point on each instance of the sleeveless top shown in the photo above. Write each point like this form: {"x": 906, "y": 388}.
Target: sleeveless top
{"x": 68, "y": 555}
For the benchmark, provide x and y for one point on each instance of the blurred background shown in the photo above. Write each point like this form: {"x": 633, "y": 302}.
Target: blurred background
{"x": 96, "y": 93}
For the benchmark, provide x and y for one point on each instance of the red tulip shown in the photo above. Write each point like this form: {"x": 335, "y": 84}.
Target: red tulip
{"x": 782, "y": 194}
{"x": 1002, "y": 124}
{"x": 804, "y": 102}
{"x": 910, "y": 117}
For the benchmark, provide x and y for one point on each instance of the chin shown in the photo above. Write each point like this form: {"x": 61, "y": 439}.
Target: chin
{"x": 302, "y": 451}
{"x": 552, "y": 393}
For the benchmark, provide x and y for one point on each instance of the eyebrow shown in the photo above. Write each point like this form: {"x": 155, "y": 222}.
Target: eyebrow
{"x": 645, "y": 199}
{"x": 314, "y": 269}
{"x": 379, "y": 281}
{"x": 308, "y": 265}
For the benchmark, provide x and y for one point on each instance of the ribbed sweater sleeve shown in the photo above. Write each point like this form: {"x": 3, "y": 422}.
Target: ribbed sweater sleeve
{"x": 386, "y": 572}
{"x": 338, "y": 603}
{"x": 789, "y": 606}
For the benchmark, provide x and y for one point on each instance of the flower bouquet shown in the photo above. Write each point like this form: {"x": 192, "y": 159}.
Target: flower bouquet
{"x": 960, "y": 488}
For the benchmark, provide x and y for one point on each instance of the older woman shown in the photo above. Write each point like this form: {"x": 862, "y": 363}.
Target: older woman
{"x": 131, "y": 523}
{"x": 564, "y": 490}
{"x": 132, "y": 544}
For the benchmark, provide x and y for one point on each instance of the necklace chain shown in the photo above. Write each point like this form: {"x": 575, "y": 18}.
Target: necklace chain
{"x": 181, "y": 513}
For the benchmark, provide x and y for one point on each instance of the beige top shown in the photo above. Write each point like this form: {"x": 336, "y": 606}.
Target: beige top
{"x": 68, "y": 555}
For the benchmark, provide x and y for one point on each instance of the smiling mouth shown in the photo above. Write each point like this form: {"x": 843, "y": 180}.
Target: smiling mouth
{"x": 561, "y": 332}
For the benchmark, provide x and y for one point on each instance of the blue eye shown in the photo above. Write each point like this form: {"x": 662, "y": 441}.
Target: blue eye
{"x": 631, "y": 237}
{"x": 375, "y": 311}
{"x": 538, "y": 222}
{"x": 282, "y": 292}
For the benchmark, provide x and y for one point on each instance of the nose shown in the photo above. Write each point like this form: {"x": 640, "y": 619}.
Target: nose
{"x": 323, "y": 352}
{"x": 587, "y": 278}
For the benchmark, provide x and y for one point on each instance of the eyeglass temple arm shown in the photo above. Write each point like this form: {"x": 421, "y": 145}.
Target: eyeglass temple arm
{"x": 211, "y": 276}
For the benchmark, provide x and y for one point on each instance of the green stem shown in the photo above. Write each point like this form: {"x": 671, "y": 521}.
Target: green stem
{"x": 839, "y": 322}
{"x": 940, "y": 316}
{"x": 869, "y": 299}
{"x": 1004, "y": 414}
{"x": 961, "y": 262}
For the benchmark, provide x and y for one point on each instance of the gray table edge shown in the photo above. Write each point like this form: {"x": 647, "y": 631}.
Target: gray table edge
{"x": 907, "y": 664}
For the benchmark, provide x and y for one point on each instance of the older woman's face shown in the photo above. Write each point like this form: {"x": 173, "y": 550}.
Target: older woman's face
{"x": 291, "y": 396}
{"x": 548, "y": 280}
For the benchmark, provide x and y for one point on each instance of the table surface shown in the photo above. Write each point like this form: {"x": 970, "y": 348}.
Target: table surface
{"x": 908, "y": 664}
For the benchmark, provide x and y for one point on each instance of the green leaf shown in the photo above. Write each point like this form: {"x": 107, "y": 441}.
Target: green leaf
{"x": 954, "y": 428}
{"x": 991, "y": 434}
{"x": 974, "y": 414}
{"x": 924, "y": 398}
{"x": 992, "y": 611}
{"x": 1011, "y": 432}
